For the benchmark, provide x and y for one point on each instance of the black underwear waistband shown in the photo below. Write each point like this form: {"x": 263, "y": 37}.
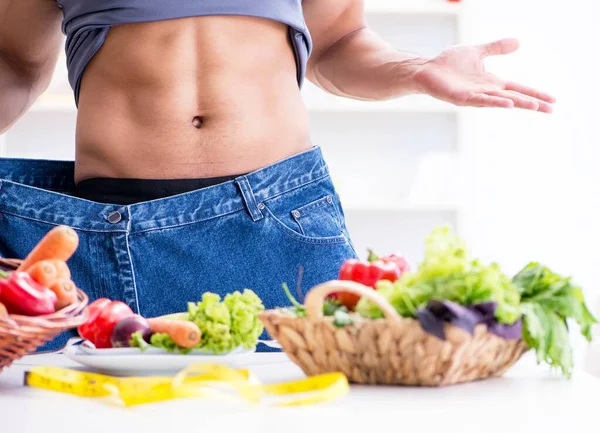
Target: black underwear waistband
{"x": 132, "y": 191}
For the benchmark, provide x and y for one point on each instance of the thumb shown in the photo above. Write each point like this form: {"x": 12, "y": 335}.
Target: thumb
{"x": 499, "y": 47}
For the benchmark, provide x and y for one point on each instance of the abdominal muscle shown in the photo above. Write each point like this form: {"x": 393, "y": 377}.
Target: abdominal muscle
{"x": 190, "y": 98}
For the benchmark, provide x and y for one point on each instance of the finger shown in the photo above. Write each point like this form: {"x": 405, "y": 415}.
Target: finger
{"x": 525, "y": 90}
{"x": 525, "y": 102}
{"x": 545, "y": 108}
{"x": 520, "y": 101}
{"x": 500, "y": 47}
{"x": 483, "y": 100}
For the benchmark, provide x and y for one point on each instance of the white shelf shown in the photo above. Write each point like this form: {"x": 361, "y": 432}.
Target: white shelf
{"x": 396, "y": 208}
{"x": 49, "y": 102}
{"x": 409, "y": 104}
{"x": 2, "y": 145}
{"x": 414, "y": 7}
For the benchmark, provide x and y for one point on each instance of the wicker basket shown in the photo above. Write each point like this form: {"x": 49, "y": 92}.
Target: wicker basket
{"x": 390, "y": 351}
{"x": 23, "y": 335}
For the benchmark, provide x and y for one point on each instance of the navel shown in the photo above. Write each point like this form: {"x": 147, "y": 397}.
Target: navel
{"x": 197, "y": 122}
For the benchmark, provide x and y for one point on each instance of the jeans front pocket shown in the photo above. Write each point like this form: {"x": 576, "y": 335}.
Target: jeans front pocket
{"x": 308, "y": 214}
{"x": 318, "y": 218}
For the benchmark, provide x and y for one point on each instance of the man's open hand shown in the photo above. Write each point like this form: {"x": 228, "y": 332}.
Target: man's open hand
{"x": 458, "y": 76}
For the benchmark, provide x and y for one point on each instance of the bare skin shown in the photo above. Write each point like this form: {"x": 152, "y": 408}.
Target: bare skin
{"x": 230, "y": 106}
{"x": 211, "y": 96}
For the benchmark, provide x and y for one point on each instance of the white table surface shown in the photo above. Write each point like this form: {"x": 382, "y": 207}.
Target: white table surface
{"x": 529, "y": 398}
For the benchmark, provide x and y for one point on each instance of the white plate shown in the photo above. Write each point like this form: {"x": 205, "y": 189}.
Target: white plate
{"x": 134, "y": 362}
{"x": 88, "y": 348}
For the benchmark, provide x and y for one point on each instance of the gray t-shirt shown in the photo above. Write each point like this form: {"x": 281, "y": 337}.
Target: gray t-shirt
{"x": 87, "y": 22}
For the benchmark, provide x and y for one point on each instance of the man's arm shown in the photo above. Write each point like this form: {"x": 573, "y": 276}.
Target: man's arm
{"x": 352, "y": 61}
{"x": 30, "y": 40}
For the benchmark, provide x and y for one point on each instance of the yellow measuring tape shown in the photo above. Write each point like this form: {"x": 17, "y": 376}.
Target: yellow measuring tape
{"x": 204, "y": 380}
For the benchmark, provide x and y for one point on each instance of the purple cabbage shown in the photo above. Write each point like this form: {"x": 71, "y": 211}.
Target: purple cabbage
{"x": 437, "y": 313}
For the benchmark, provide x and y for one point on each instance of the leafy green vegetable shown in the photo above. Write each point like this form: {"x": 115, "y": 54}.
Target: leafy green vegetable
{"x": 341, "y": 315}
{"x": 245, "y": 325}
{"x": 538, "y": 284}
{"x": 547, "y": 302}
{"x": 543, "y": 300}
{"x": 225, "y": 325}
{"x": 447, "y": 273}
{"x": 162, "y": 341}
{"x": 137, "y": 340}
{"x": 297, "y": 308}
{"x": 228, "y": 324}
{"x": 342, "y": 318}
{"x": 331, "y": 307}
{"x": 165, "y": 342}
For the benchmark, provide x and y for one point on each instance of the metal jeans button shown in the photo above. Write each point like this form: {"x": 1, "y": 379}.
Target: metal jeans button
{"x": 114, "y": 217}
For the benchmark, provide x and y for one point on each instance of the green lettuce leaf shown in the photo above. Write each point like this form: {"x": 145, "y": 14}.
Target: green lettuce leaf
{"x": 162, "y": 341}
{"x": 447, "y": 273}
{"x": 214, "y": 320}
{"x": 543, "y": 299}
{"x": 545, "y": 332}
{"x": 225, "y": 325}
{"x": 228, "y": 324}
{"x": 244, "y": 309}
{"x": 137, "y": 340}
{"x": 538, "y": 284}
{"x": 165, "y": 342}
{"x": 548, "y": 302}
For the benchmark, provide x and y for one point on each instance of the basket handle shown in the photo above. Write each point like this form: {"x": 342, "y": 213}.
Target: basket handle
{"x": 313, "y": 302}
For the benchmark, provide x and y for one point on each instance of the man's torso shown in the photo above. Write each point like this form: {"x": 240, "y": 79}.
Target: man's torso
{"x": 188, "y": 98}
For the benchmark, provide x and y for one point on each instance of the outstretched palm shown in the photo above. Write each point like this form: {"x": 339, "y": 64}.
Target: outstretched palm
{"x": 458, "y": 76}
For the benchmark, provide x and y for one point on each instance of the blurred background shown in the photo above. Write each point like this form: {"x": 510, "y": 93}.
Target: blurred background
{"x": 518, "y": 186}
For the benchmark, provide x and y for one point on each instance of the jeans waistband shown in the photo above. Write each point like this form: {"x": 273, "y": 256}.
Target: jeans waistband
{"x": 41, "y": 190}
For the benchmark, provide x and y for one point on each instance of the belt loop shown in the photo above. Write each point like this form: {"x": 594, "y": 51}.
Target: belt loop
{"x": 248, "y": 195}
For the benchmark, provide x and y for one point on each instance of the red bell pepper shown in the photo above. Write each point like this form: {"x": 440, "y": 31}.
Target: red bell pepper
{"x": 396, "y": 258}
{"x": 103, "y": 315}
{"x": 21, "y": 295}
{"x": 369, "y": 273}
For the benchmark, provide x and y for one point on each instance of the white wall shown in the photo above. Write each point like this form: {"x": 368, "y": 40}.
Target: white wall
{"x": 534, "y": 179}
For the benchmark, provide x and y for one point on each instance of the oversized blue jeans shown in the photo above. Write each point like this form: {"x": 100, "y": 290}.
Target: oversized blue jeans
{"x": 255, "y": 232}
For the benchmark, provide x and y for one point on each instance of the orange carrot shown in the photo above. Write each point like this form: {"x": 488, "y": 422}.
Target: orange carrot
{"x": 62, "y": 268}
{"x": 66, "y": 293}
{"x": 59, "y": 243}
{"x": 182, "y": 332}
{"x": 43, "y": 272}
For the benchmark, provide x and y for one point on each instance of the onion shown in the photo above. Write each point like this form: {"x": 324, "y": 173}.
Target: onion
{"x": 125, "y": 328}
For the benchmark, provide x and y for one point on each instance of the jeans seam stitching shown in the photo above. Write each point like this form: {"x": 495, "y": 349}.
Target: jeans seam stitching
{"x": 135, "y": 292}
{"x": 4, "y": 212}
{"x": 295, "y": 188}
{"x": 187, "y": 223}
{"x": 349, "y": 242}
